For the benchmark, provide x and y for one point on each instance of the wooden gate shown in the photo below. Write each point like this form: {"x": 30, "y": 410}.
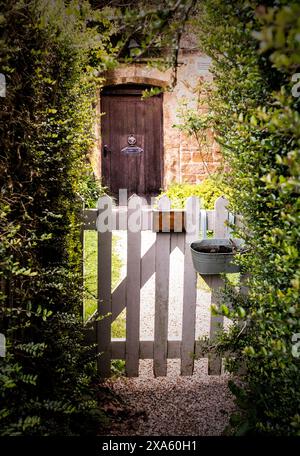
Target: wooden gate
{"x": 139, "y": 270}
{"x": 132, "y": 146}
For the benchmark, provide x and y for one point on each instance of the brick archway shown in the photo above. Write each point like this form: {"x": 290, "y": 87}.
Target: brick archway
{"x": 118, "y": 80}
{"x": 135, "y": 73}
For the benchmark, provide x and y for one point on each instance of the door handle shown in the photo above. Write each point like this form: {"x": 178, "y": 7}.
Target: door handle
{"x": 106, "y": 150}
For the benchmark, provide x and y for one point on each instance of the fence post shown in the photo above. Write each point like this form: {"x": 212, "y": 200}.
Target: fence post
{"x": 215, "y": 282}
{"x": 81, "y": 240}
{"x": 104, "y": 251}
{"x": 220, "y": 218}
{"x": 162, "y": 269}
{"x": 189, "y": 288}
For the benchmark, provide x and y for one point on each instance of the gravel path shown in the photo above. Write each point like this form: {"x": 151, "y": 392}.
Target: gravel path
{"x": 173, "y": 405}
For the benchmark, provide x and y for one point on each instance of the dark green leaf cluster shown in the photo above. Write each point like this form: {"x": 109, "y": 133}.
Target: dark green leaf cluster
{"x": 256, "y": 114}
{"x": 50, "y": 58}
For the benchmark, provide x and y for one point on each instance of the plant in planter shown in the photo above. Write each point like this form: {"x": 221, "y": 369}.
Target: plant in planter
{"x": 214, "y": 256}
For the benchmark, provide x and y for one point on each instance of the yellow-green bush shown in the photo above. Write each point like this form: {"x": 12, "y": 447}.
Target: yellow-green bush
{"x": 208, "y": 191}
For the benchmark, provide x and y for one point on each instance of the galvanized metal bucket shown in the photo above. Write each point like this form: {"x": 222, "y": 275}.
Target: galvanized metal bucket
{"x": 212, "y": 262}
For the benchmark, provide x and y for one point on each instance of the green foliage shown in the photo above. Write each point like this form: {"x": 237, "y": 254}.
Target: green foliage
{"x": 91, "y": 273}
{"x": 255, "y": 52}
{"x": 118, "y": 367}
{"x": 208, "y": 191}
{"x": 50, "y": 57}
{"x": 90, "y": 188}
{"x": 151, "y": 92}
{"x": 155, "y": 26}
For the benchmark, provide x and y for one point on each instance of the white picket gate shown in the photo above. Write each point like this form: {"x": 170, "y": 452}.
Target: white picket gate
{"x": 139, "y": 270}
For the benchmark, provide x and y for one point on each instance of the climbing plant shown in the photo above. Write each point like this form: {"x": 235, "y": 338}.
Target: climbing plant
{"x": 255, "y": 106}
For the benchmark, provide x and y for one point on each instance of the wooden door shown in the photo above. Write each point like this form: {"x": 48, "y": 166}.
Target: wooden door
{"x": 131, "y": 140}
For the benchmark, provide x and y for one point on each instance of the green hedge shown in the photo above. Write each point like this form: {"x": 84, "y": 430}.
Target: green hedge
{"x": 255, "y": 51}
{"x": 46, "y": 131}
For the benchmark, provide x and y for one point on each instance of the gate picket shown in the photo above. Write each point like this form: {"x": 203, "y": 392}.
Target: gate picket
{"x": 103, "y": 326}
{"x": 133, "y": 286}
{"x": 189, "y": 289}
{"x": 162, "y": 269}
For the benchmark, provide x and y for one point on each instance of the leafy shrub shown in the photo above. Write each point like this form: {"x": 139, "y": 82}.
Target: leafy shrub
{"x": 208, "y": 191}
{"x": 90, "y": 187}
{"x": 255, "y": 52}
{"x": 46, "y": 123}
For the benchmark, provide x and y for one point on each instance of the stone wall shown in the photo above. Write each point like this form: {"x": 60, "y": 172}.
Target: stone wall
{"x": 184, "y": 160}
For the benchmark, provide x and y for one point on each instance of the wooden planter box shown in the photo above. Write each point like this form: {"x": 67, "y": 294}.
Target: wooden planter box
{"x": 172, "y": 221}
{"x": 208, "y": 262}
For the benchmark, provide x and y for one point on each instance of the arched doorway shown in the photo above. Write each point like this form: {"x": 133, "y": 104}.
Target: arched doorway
{"x": 132, "y": 142}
